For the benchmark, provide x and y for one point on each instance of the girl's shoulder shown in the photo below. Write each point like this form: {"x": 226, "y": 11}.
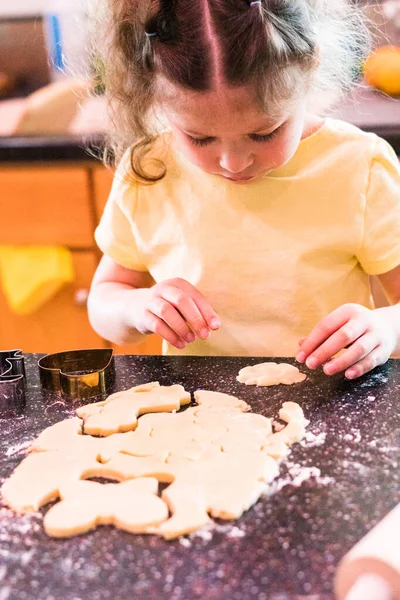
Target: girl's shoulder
{"x": 337, "y": 132}
{"x": 366, "y": 147}
{"x": 342, "y": 143}
{"x": 349, "y": 137}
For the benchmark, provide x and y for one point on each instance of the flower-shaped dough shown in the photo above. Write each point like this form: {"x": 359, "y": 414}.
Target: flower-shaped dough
{"x": 270, "y": 373}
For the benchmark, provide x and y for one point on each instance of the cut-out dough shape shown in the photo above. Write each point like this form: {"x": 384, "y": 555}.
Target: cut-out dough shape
{"x": 278, "y": 443}
{"x": 132, "y": 506}
{"x": 120, "y": 411}
{"x": 217, "y": 457}
{"x": 222, "y": 484}
{"x": 270, "y": 373}
{"x": 39, "y": 478}
{"x": 66, "y": 436}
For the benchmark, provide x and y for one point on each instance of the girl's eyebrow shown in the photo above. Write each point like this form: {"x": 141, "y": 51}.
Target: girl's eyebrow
{"x": 270, "y": 129}
{"x": 196, "y": 134}
{"x": 262, "y": 129}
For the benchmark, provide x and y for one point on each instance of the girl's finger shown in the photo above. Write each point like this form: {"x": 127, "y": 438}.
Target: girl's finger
{"x": 323, "y": 331}
{"x": 372, "y": 360}
{"x": 167, "y": 313}
{"x": 189, "y": 310}
{"x": 344, "y": 336}
{"x": 357, "y": 351}
{"x": 209, "y": 315}
{"x": 158, "y": 326}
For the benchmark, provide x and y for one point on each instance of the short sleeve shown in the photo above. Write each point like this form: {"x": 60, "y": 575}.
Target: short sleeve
{"x": 115, "y": 233}
{"x": 380, "y": 250}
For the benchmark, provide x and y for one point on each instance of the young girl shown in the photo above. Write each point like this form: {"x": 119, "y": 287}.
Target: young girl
{"x": 241, "y": 222}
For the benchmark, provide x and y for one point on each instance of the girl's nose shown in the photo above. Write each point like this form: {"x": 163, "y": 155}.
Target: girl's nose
{"x": 235, "y": 161}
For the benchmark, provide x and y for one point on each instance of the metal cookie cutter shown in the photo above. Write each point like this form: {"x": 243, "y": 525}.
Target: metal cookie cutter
{"x": 12, "y": 382}
{"x": 78, "y": 373}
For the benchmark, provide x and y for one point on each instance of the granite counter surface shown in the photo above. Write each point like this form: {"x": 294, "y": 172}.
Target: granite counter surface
{"x": 334, "y": 486}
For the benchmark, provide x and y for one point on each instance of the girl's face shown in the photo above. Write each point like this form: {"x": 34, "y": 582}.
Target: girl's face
{"x": 225, "y": 134}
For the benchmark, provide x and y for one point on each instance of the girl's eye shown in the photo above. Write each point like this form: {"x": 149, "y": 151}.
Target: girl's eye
{"x": 264, "y": 138}
{"x": 201, "y": 141}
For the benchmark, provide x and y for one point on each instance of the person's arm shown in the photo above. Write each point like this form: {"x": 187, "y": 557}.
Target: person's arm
{"x": 368, "y": 337}
{"x": 125, "y": 304}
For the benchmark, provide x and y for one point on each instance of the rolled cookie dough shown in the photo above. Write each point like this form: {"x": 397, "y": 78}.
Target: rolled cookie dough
{"x": 132, "y": 506}
{"x": 120, "y": 411}
{"x": 270, "y": 373}
{"x": 217, "y": 457}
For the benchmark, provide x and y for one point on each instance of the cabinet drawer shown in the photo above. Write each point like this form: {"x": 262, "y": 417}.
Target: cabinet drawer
{"x": 46, "y": 206}
{"x": 61, "y": 324}
{"x": 102, "y": 180}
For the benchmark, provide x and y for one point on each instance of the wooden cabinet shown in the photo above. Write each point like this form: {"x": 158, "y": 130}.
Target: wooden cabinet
{"x": 46, "y": 206}
{"x": 57, "y": 204}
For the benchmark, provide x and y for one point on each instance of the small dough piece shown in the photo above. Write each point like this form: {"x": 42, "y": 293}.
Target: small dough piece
{"x": 270, "y": 373}
{"x": 120, "y": 411}
{"x": 277, "y": 444}
{"x": 132, "y": 506}
{"x": 291, "y": 411}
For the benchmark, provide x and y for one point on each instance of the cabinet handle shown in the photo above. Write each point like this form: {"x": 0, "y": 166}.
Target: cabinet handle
{"x": 81, "y": 297}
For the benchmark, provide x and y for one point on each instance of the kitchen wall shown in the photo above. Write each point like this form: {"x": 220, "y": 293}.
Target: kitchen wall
{"x": 18, "y": 8}
{"x": 23, "y": 50}
{"x": 23, "y": 53}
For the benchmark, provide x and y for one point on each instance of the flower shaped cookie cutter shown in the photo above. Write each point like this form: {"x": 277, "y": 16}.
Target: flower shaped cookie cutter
{"x": 78, "y": 373}
{"x": 12, "y": 382}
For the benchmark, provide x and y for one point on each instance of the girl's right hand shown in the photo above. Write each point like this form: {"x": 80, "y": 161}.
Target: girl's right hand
{"x": 176, "y": 311}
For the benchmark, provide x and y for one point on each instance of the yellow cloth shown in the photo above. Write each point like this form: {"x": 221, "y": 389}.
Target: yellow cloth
{"x": 31, "y": 275}
{"x": 274, "y": 256}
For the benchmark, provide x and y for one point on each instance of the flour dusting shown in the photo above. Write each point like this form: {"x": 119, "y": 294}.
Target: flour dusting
{"x": 297, "y": 474}
{"x": 312, "y": 440}
{"x": 18, "y": 448}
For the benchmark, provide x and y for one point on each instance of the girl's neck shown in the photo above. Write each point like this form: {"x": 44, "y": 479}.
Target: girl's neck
{"x": 312, "y": 124}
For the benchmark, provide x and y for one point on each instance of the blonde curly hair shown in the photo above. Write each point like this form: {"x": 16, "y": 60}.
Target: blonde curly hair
{"x": 278, "y": 48}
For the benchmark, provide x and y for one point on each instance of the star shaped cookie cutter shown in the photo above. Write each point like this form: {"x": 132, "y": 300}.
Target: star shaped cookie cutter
{"x": 78, "y": 373}
{"x": 12, "y": 382}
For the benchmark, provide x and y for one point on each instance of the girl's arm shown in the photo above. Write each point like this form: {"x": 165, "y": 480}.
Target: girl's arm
{"x": 368, "y": 337}
{"x": 124, "y": 305}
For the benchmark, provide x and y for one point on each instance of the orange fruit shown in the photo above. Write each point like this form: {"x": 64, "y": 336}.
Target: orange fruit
{"x": 382, "y": 70}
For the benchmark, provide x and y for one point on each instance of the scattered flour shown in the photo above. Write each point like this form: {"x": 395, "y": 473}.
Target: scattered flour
{"x": 362, "y": 469}
{"x": 297, "y": 474}
{"x": 18, "y": 448}
{"x": 231, "y": 531}
{"x": 354, "y": 436}
{"x": 206, "y": 533}
{"x": 312, "y": 440}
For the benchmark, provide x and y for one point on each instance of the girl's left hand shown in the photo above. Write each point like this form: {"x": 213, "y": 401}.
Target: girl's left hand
{"x": 365, "y": 335}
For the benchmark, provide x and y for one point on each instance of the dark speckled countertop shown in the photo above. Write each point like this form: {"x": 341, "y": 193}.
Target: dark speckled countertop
{"x": 334, "y": 486}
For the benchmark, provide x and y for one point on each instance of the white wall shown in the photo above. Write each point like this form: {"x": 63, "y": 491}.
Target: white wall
{"x": 17, "y": 8}
{"x": 21, "y": 7}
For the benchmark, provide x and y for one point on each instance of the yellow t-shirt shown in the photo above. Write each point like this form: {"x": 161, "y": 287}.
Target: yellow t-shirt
{"x": 274, "y": 256}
